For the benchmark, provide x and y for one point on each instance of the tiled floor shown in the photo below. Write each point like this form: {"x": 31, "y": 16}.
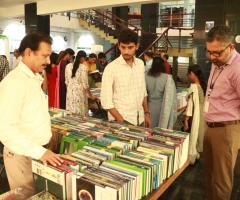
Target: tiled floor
{"x": 190, "y": 184}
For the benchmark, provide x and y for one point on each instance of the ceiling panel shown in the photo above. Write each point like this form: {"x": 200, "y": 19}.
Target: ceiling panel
{"x": 9, "y": 3}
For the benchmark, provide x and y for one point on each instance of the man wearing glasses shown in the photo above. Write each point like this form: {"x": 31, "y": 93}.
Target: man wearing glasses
{"x": 222, "y": 113}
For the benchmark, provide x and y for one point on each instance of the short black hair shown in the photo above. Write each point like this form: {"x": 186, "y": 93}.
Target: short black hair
{"x": 69, "y": 51}
{"x": 158, "y": 67}
{"x": 33, "y": 40}
{"x": 149, "y": 53}
{"x": 220, "y": 33}
{"x": 196, "y": 69}
{"x": 92, "y": 55}
{"x": 127, "y": 36}
{"x": 101, "y": 55}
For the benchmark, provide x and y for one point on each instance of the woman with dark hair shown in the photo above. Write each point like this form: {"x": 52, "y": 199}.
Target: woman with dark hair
{"x": 51, "y": 71}
{"x": 64, "y": 58}
{"x": 194, "y": 122}
{"x": 76, "y": 79}
{"x": 161, "y": 95}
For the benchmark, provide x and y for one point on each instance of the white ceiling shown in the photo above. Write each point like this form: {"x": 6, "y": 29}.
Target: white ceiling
{"x": 9, "y": 3}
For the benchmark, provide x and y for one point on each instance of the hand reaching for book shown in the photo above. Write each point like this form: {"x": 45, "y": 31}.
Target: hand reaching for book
{"x": 51, "y": 158}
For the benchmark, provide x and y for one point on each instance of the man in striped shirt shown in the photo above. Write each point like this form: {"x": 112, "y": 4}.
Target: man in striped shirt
{"x": 123, "y": 91}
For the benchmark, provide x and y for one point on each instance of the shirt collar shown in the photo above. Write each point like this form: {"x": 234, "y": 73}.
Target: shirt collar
{"x": 123, "y": 62}
{"x": 27, "y": 71}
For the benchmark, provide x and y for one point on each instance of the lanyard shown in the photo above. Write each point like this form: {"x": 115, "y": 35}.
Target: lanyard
{"x": 212, "y": 83}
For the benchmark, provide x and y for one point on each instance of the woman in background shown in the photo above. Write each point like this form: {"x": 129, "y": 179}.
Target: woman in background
{"x": 64, "y": 58}
{"x": 161, "y": 91}
{"x": 76, "y": 79}
{"x": 51, "y": 71}
{"x": 194, "y": 122}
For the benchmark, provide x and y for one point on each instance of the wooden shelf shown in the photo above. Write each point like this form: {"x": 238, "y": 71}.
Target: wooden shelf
{"x": 165, "y": 185}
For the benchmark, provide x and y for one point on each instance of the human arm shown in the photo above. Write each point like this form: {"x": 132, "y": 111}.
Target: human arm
{"x": 107, "y": 94}
{"x": 50, "y": 157}
{"x": 147, "y": 118}
{"x": 117, "y": 116}
{"x": 89, "y": 94}
{"x": 188, "y": 112}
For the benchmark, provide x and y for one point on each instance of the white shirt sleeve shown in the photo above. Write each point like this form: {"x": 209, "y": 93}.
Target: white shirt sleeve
{"x": 11, "y": 134}
{"x": 107, "y": 89}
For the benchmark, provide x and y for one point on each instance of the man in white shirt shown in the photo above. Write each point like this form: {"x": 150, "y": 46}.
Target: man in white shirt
{"x": 123, "y": 91}
{"x": 25, "y": 125}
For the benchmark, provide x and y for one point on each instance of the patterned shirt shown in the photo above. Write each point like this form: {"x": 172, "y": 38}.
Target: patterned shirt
{"x": 4, "y": 67}
{"x": 124, "y": 88}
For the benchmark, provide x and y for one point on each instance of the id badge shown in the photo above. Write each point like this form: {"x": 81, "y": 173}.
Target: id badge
{"x": 206, "y": 106}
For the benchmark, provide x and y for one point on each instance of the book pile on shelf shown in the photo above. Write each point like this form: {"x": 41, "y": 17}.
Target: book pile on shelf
{"x": 110, "y": 161}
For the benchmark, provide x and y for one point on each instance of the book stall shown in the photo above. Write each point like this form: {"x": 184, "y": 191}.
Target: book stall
{"x": 108, "y": 161}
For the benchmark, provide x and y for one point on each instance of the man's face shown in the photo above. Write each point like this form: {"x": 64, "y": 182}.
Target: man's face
{"x": 40, "y": 58}
{"x": 102, "y": 60}
{"x": 128, "y": 50}
{"x": 219, "y": 52}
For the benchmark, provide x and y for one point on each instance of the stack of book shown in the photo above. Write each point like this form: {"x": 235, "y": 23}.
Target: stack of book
{"x": 55, "y": 179}
{"x": 114, "y": 162}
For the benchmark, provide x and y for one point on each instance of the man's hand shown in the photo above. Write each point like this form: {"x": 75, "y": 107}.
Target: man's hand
{"x": 147, "y": 120}
{"x": 51, "y": 158}
{"x": 94, "y": 98}
{"x": 186, "y": 127}
{"x": 119, "y": 119}
{"x": 117, "y": 116}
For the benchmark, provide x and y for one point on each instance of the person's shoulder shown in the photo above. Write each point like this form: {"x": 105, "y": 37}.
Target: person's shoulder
{"x": 69, "y": 65}
{"x": 140, "y": 64}
{"x": 235, "y": 66}
{"x": 14, "y": 79}
{"x": 139, "y": 61}
{"x": 83, "y": 66}
{"x": 113, "y": 64}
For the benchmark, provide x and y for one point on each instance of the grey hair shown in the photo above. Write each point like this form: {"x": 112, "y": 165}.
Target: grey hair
{"x": 220, "y": 33}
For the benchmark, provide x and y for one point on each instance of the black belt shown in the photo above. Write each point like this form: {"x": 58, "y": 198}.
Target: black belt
{"x": 222, "y": 124}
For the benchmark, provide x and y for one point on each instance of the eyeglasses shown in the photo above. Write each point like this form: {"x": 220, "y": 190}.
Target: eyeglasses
{"x": 217, "y": 53}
